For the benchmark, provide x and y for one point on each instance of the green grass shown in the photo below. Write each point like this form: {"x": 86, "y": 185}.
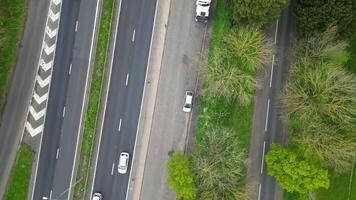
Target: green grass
{"x": 94, "y": 99}
{"x": 18, "y": 185}
{"x": 12, "y": 21}
{"x": 351, "y": 64}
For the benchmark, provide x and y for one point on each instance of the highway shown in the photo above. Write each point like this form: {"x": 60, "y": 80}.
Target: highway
{"x": 124, "y": 97}
{"x": 66, "y": 99}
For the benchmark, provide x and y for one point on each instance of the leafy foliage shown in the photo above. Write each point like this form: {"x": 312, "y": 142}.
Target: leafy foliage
{"x": 318, "y": 15}
{"x": 180, "y": 176}
{"x": 255, "y": 13}
{"x": 294, "y": 173}
{"x": 231, "y": 72}
{"x": 219, "y": 164}
{"x": 320, "y": 102}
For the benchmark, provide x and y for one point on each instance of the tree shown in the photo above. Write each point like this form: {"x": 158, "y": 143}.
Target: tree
{"x": 293, "y": 172}
{"x": 316, "y": 15}
{"x": 180, "y": 176}
{"x": 219, "y": 164}
{"x": 231, "y": 72}
{"x": 255, "y": 13}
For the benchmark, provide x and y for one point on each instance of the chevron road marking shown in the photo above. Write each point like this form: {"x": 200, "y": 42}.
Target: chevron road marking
{"x": 54, "y": 16}
{"x": 40, "y": 99}
{"x": 33, "y": 131}
{"x": 49, "y": 49}
{"x": 51, "y": 33}
{"x": 43, "y": 83}
{"x": 46, "y": 66}
{"x": 56, "y": 2}
{"x": 37, "y": 115}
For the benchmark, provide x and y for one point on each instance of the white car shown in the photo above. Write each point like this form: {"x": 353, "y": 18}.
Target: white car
{"x": 188, "y": 103}
{"x": 202, "y": 10}
{"x": 97, "y": 196}
{"x": 123, "y": 162}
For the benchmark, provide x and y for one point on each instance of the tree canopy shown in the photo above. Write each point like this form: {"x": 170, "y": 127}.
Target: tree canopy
{"x": 293, "y": 172}
{"x": 180, "y": 176}
{"x": 255, "y": 13}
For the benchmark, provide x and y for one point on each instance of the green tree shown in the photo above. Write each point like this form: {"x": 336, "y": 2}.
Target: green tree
{"x": 180, "y": 177}
{"x": 255, "y": 13}
{"x": 294, "y": 173}
{"x": 219, "y": 164}
{"x": 316, "y": 15}
{"x": 231, "y": 72}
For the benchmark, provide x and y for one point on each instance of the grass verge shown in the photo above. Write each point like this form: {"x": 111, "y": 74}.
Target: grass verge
{"x": 94, "y": 99}
{"x": 12, "y": 22}
{"x": 18, "y": 185}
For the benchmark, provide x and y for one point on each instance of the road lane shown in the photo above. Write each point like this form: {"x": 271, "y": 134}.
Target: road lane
{"x": 124, "y": 95}
{"x": 66, "y": 99}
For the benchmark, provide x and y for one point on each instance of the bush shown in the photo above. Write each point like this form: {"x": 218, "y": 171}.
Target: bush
{"x": 316, "y": 16}
{"x": 180, "y": 176}
{"x": 255, "y": 13}
{"x": 293, "y": 172}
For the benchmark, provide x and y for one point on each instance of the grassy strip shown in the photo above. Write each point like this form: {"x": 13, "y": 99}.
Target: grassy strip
{"x": 20, "y": 178}
{"x": 94, "y": 99}
{"x": 12, "y": 21}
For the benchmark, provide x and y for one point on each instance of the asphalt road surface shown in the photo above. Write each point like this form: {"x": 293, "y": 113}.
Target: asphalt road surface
{"x": 57, "y": 153}
{"x": 184, "y": 40}
{"x": 275, "y": 128}
{"x": 19, "y": 92}
{"x": 127, "y": 79}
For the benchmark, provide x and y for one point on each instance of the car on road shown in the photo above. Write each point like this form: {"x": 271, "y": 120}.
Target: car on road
{"x": 123, "y": 162}
{"x": 202, "y": 10}
{"x": 188, "y": 103}
{"x": 97, "y": 196}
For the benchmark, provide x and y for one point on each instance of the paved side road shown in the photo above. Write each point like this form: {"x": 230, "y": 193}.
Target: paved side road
{"x": 20, "y": 90}
{"x": 169, "y": 128}
{"x": 267, "y": 125}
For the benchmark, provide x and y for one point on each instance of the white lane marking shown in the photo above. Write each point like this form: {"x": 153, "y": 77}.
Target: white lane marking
{"x": 57, "y": 154}
{"x": 267, "y": 112}
{"x": 142, "y": 100}
{"x": 76, "y": 26}
{"x": 64, "y": 111}
{"x": 133, "y": 35}
{"x": 263, "y": 156}
{"x": 85, "y": 89}
{"x": 272, "y": 69}
{"x": 70, "y": 68}
{"x": 112, "y": 168}
{"x": 50, "y": 195}
{"x": 105, "y": 101}
{"x": 127, "y": 79}
{"x": 259, "y": 192}
{"x": 275, "y": 33}
{"x": 119, "y": 129}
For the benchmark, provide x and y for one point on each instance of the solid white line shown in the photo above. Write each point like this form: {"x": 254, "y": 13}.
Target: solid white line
{"x": 142, "y": 100}
{"x": 105, "y": 101}
{"x": 259, "y": 192}
{"x": 50, "y": 195}
{"x": 120, "y": 125}
{"x": 64, "y": 111}
{"x": 133, "y": 35}
{"x": 127, "y": 79}
{"x": 276, "y": 32}
{"x": 49, "y": 89}
{"x": 267, "y": 112}
{"x": 85, "y": 89}
{"x": 57, "y": 154}
{"x": 76, "y": 26}
{"x": 70, "y": 68}
{"x": 263, "y": 156}
{"x": 272, "y": 69}
{"x": 112, "y": 168}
